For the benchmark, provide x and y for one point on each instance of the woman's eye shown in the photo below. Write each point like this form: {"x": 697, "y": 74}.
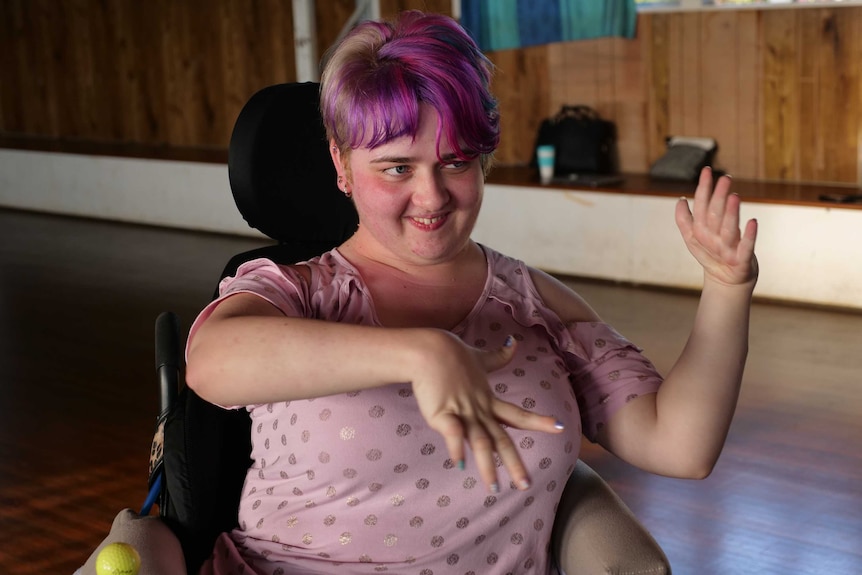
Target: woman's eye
{"x": 396, "y": 170}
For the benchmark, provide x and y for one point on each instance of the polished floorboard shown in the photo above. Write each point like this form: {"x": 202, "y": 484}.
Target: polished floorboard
{"x": 78, "y": 399}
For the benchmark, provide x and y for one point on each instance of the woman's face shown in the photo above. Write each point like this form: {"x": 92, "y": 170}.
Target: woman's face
{"x": 413, "y": 207}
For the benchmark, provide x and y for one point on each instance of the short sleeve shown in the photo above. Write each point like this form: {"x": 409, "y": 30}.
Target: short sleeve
{"x": 279, "y": 285}
{"x": 607, "y": 372}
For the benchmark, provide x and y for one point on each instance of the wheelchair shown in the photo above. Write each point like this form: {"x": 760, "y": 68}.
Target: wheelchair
{"x": 284, "y": 184}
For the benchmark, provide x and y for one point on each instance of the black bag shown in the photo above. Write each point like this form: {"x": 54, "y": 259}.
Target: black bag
{"x": 684, "y": 158}
{"x": 584, "y": 143}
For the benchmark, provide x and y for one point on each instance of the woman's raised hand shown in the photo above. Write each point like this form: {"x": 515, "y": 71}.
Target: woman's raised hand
{"x": 455, "y": 399}
{"x": 712, "y": 234}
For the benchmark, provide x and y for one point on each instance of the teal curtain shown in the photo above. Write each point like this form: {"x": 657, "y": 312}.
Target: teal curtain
{"x": 503, "y": 24}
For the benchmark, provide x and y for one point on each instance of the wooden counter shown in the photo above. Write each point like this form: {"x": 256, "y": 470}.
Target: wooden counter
{"x": 786, "y": 193}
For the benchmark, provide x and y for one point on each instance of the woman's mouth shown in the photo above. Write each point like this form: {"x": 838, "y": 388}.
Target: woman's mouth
{"x": 428, "y": 223}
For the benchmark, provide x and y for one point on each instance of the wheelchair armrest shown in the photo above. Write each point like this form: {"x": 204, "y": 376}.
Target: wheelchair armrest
{"x": 596, "y": 533}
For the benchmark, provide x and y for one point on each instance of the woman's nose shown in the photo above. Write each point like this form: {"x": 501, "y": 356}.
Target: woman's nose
{"x": 430, "y": 192}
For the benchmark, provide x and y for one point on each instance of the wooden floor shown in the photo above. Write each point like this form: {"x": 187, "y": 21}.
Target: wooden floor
{"x": 77, "y": 401}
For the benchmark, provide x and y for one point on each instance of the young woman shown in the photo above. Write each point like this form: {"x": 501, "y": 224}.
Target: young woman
{"x": 417, "y": 399}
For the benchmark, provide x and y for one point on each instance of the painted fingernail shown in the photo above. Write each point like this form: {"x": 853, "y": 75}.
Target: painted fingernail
{"x": 510, "y": 341}
{"x": 525, "y": 484}
{"x": 461, "y": 465}
{"x": 559, "y": 425}
{"x": 495, "y": 488}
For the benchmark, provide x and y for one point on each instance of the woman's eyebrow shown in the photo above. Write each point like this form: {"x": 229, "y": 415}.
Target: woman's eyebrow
{"x": 392, "y": 160}
{"x": 408, "y": 160}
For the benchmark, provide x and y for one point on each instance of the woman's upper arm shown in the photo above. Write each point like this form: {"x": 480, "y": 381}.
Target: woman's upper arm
{"x": 628, "y": 432}
{"x": 243, "y": 304}
{"x": 240, "y": 304}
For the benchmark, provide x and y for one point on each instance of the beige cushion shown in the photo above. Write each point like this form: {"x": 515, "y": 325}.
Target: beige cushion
{"x": 157, "y": 545}
{"x": 595, "y": 533}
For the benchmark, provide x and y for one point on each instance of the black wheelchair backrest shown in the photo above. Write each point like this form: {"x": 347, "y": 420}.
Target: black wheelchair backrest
{"x": 284, "y": 184}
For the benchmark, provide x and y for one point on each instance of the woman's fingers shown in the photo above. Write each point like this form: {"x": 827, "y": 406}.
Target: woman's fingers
{"x": 483, "y": 445}
{"x": 729, "y": 230}
{"x": 711, "y": 230}
{"x": 717, "y": 206}
{"x": 458, "y": 403}
{"x": 486, "y": 437}
{"x": 702, "y": 194}
{"x": 451, "y": 428}
{"x": 514, "y": 416}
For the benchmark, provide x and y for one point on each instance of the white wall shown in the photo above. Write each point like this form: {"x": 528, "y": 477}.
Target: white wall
{"x": 188, "y": 195}
{"x": 807, "y": 254}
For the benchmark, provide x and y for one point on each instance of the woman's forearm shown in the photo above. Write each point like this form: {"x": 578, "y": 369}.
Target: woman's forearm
{"x": 252, "y": 359}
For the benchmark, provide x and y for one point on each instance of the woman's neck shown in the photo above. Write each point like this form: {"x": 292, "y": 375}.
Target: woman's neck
{"x": 452, "y": 271}
{"x": 438, "y": 295}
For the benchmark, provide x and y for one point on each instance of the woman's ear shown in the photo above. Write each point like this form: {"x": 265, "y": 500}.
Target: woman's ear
{"x": 335, "y": 153}
{"x": 341, "y": 161}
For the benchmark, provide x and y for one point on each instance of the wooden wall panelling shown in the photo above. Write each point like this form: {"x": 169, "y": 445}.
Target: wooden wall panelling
{"x": 630, "y": 103}
{"x": 656, "y": 42}
{"x": 857, "y": 57}
{"x": 749, "y": 135}
{"x": 136, "y": 122}
{"x": 839, "y": 57}
{"x": 140, "y": 98}
{"x": 781, "y": 104}
{"x": 826, "y": 87}
{"x": 47, "y": 70}
{"x": 584, "y": 78}
{"x": 8, "y": 64}
{"x": 179, "y": 70}
{"x": 20, "y": 91}
{"x": 719, "y": 101}
{"x": 69, "y": 65}
{"x": 558, "y": 76}
{"x": 390, "y": 8}
{"x": 163, "y": 72}
{"x": 676, "y": 80}
{"x": 150, "y": 40}
{"x": 330, "y": 18}
{"x": 689, "y": 63}
{"x": 96, "y": 39}
{"x": 211, "y": 25}
{"x": 79, "y": 76}
{"x": 811, "y": 156}
{"x": 34, "y": 88}
{"x": 603, "y": 71}
{"x": 257, "y": 50}
{"x": 779, "y": 89}
{"x": 520, "y": 84}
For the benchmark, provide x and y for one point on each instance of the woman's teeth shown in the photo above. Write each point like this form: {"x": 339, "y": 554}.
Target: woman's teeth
{"x": 428, "y": 221}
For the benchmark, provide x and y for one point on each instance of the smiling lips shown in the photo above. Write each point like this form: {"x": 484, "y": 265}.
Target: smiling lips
{"x": 429, "y": 223}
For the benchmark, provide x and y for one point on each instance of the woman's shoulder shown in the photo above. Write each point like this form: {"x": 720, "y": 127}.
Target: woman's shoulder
{"x": 560, "y": 298}
{"x": 324, "y": 287}
{"x": 529, "y": 282}
{"x": 325, "y": 267}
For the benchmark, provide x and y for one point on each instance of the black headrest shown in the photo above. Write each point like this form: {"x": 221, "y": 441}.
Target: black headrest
{"x": 280, "y": 171}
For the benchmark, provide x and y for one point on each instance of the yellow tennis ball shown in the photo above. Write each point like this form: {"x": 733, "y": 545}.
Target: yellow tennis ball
{"x": 118, "y": 559}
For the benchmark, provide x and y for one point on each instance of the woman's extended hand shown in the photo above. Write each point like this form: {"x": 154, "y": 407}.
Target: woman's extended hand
{"x": 455, "y": 399}
{"x": 712, "y": 233}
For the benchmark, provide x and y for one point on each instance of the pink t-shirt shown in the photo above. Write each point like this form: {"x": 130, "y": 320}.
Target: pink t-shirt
{"x": 358, "y": 484}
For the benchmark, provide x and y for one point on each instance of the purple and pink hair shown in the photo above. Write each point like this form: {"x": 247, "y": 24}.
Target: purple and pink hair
{"x": 376, "y": 78}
